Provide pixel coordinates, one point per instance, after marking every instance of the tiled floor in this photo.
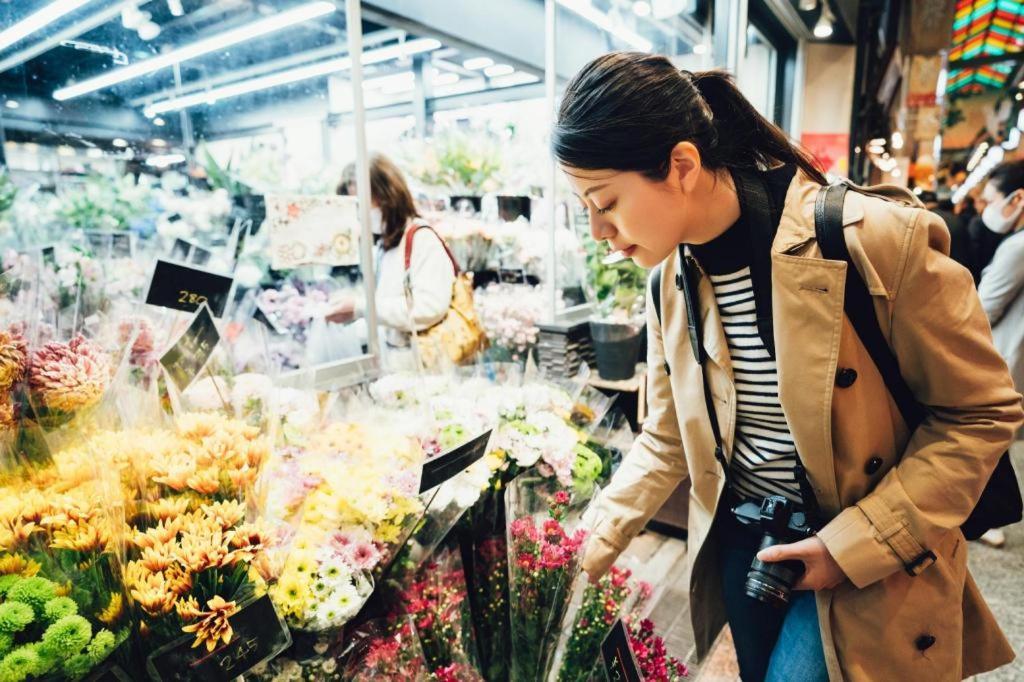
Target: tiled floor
(998, 572)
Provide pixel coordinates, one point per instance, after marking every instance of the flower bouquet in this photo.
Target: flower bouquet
(437, 603)
(385, 649)
(199, 563)
(509, 315)
(544, 560)
(62, 598)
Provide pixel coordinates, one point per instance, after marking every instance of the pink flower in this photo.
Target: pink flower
(561, 497)
(68, 376)
(362, 556)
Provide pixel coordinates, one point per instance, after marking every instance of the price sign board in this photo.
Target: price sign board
(181, 287)
(190, 353)
(619, 661)
(257, 636)
(449, 464)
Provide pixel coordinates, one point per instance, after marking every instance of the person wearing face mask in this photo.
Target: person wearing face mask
(431, 271)
(1001, 288)
(762, 389)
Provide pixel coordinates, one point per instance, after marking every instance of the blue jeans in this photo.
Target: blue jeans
(773, 645)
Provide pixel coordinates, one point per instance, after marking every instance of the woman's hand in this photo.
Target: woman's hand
(343, 311)
(821, 572)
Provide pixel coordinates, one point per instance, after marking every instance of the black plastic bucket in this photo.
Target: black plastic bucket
(617, 347)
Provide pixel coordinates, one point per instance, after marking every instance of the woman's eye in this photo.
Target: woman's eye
(602, 211)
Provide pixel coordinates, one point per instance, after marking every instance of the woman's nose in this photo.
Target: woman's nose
(600, 229)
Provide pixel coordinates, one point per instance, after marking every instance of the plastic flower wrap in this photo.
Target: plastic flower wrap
(198, 559)
(438, 604)
(385, 650)
(544, 559)
(62, 598)
(651, 654)
(582, 633)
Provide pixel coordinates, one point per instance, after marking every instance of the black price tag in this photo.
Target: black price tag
(271, 320)
(190, 353)
(181, 287)
(619, 662)
(257, 636)
(453, 462)
(512, 275)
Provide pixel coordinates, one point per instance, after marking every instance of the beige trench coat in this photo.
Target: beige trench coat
(882, 623)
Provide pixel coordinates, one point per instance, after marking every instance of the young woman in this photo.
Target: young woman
(431, 271)
(664, 159)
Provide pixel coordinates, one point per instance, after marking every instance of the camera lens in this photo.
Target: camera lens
(771, 583)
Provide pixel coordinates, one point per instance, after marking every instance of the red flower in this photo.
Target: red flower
(561, 497)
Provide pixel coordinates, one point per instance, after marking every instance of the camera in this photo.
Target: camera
(781, 524)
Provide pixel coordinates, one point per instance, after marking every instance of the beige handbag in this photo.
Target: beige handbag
(459, 335)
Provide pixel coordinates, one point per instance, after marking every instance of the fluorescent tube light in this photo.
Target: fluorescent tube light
(270, 24)
(295, 75)
(499, 70)
(38, 20)
(477, 63)
(602, 21)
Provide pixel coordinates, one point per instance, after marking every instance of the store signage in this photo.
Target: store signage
(619, 662)
(257, 635)
(189, 252)
(449, 464)
(190, 353)
(307, 230)
(181, 287)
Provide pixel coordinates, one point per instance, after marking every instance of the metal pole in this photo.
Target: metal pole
(354, 29)
(550, 83)
(187, 139)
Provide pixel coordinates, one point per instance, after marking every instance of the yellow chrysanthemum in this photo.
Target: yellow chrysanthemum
(113, 611)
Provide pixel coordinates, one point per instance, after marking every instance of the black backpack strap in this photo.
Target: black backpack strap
(656, 290)
(858, 304)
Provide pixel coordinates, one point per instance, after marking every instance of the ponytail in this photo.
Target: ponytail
(627, 110)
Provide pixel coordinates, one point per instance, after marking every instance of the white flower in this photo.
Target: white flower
(207, 394)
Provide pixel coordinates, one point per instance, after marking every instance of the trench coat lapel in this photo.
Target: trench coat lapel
(807, 298)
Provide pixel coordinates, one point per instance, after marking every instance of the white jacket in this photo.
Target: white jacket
(1002, 296)
(432, 276)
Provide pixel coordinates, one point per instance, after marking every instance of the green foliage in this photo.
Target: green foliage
(7, 581)
(222, 177)
(33, 591)
(15, 617)
(617, 287)
(458, 162)
(8, 191)
(59, 607)
(104, 203)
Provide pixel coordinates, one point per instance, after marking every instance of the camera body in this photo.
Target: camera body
(781, 524)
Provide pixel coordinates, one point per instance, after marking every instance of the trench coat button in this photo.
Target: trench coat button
(845, 377)
(872, 466)
(924, 642)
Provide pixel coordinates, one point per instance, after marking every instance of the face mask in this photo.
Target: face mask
(994, 218)
(376, 221)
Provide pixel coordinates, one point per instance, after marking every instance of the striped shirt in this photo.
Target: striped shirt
(764, 454)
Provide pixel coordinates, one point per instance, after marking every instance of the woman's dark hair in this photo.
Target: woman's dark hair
(627, 110)
(1007, 177)
(389, 191)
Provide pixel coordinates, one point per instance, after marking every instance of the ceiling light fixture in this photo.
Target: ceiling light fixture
(823, 29)
(595, 16)
(164, 160)
(149, 30)
(175, 8)
(477, 63)
(273, 23)
(119, 142)
(447, 78)
(12, 104)
(642, 8)
(157, 142)
(499, 70)
(159, 122)
(700, 48)
(317, 70)
(38, 20)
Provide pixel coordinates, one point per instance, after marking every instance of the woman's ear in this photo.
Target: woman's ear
(685, 165)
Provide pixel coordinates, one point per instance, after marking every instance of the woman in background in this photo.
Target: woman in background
(431, 272)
